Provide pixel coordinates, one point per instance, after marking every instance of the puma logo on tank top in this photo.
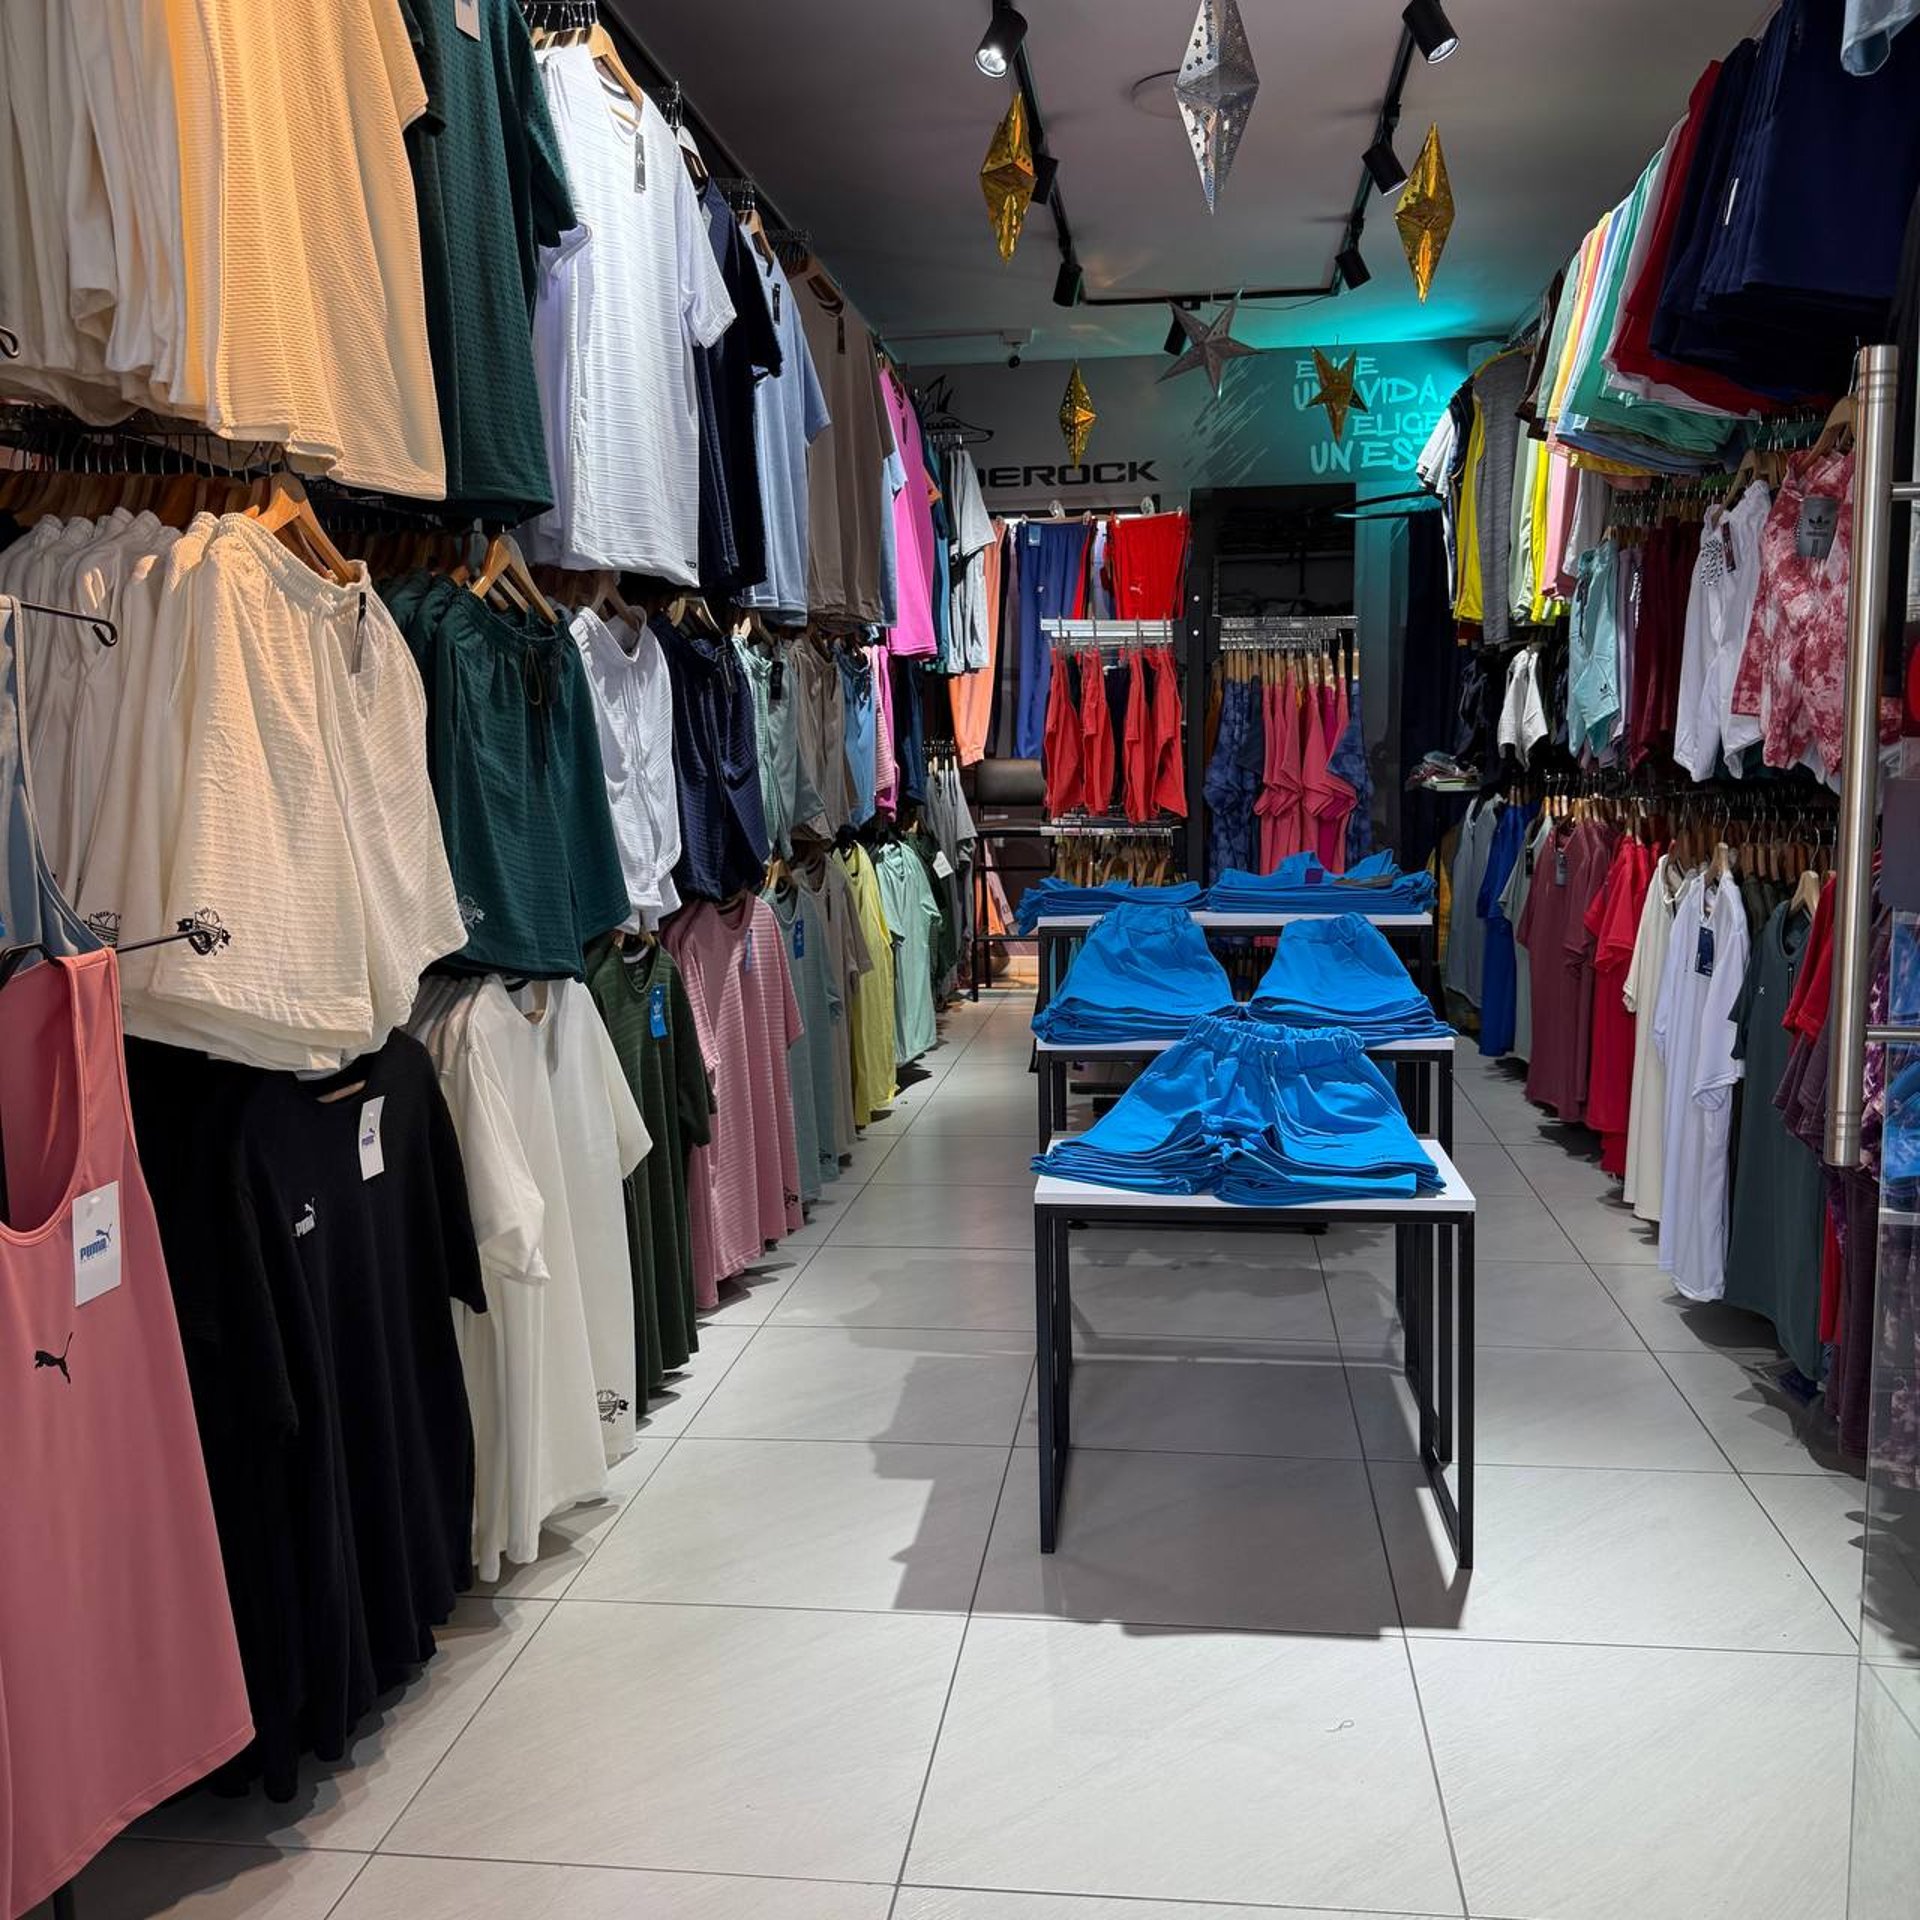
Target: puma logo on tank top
(42, 1358)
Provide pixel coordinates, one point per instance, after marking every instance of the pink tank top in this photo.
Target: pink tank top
(120, 1679)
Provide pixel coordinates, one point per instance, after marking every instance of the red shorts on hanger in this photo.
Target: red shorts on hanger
(1138, 762)
(1096, 735)
(1060, 748)
(1149, 557)
(1169, 728)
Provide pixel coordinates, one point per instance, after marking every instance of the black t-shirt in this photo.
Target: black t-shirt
(313, 1276)
(729, 453)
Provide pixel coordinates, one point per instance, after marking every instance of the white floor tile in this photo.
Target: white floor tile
(414, 1889)
(1000, 1112)
(1273, 1770)
(1760, 1428)
(1487, 1167)
(959, 1159)
(950, 1217)
(569, 1541)
(950, 1903)
(805, 1523)
(830, 1383)
(1671, 1323)
(1517, 1303)
(1823, 1517)
(178, 1880)
(1689, 1560)
(748, 1299)
(702, 1739)
(1886, 1860)
(1605, 1233)
(1245, 1287)
(1545, 1408)
(1195, 1540)
(980, 1292)
(1565, 1170)
(1588, 1783)
(354, 1804)
(1283, 1400)
(687, 1391)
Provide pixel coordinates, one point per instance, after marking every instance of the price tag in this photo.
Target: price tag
(746, 961)
(942, 866)
(466, 16)
(96, 1243)
(1560, 868)
(799, 938)
(639, 159)
(373, 1161)
(1703, 954)
(657, 1010)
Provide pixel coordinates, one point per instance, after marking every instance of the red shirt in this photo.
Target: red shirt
(1614, 922)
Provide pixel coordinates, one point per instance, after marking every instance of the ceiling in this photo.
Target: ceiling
(865, 121)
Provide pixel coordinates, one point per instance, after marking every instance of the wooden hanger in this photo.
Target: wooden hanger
(505, 566)
(288, 514)
(606, 56)
(607, 601)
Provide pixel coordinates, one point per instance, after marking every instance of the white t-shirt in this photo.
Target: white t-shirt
(1523, 718)
(602, 1139)
(972, 536)
(1694, 1032)
(1647, 1115)
(1726, 577)
(642, 293)
(633, 702)
(527, 1359)
(305, 312)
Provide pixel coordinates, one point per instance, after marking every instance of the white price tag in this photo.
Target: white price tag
(372, 1161)
(942, 866)
(466, 16)
(96, 1243)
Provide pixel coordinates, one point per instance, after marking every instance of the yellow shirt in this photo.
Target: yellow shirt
(1471, 600)
(872, 1024)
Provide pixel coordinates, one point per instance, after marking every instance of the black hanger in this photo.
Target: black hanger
(104, 629)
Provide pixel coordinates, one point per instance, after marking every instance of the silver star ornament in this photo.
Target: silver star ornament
(1215, 89)
(1209, 345)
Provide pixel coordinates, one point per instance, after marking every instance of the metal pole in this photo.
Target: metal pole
(1875, 388)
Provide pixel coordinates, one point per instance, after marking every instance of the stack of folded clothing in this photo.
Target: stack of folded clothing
(1142, 973)
(1048, 897)
(1262, 1116)
(1342, 972)
(1303, 885)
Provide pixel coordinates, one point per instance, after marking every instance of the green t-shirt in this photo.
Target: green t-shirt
(912, 913)
(491, 186)
(813, 1058)
(644, 1003)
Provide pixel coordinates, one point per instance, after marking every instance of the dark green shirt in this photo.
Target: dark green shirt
(1773, 1253)
(491, 186)
(645, 1006)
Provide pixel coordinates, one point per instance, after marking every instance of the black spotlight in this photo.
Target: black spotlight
(1069, 284)
(1384, 165)
(1046, 170)
(1353, 269)
(1427, 21)
(1002, 40)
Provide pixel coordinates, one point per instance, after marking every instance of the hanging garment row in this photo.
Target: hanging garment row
(1286, 756)
(1116, 730)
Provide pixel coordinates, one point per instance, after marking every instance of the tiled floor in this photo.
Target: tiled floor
(809, 1664)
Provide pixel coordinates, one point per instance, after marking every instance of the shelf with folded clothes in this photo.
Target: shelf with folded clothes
(1427, 1202)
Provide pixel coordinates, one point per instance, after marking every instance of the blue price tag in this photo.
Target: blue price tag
(657, 1011)
(1703, 954)
(799, 939)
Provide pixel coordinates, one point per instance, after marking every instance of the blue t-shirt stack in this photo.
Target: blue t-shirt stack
(1303, 885)
(1049, 897)
(1261, 1116)
(1342, 972)
(1142, 973)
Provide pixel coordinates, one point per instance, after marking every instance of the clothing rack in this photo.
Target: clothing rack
(1109, 633)
(1121, 829)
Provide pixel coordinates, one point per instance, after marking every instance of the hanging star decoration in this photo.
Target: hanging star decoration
(1215, 88)
(1006, 177)
(1425, 213)
(1077, 416)
(1209, 345)
(1336, 391)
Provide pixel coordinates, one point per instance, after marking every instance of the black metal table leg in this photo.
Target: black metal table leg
(1444, 1070)
(1444, 1345)
(1063, 1338)
(1046, 1382)
(1044, 1063)
(1463, 1542)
